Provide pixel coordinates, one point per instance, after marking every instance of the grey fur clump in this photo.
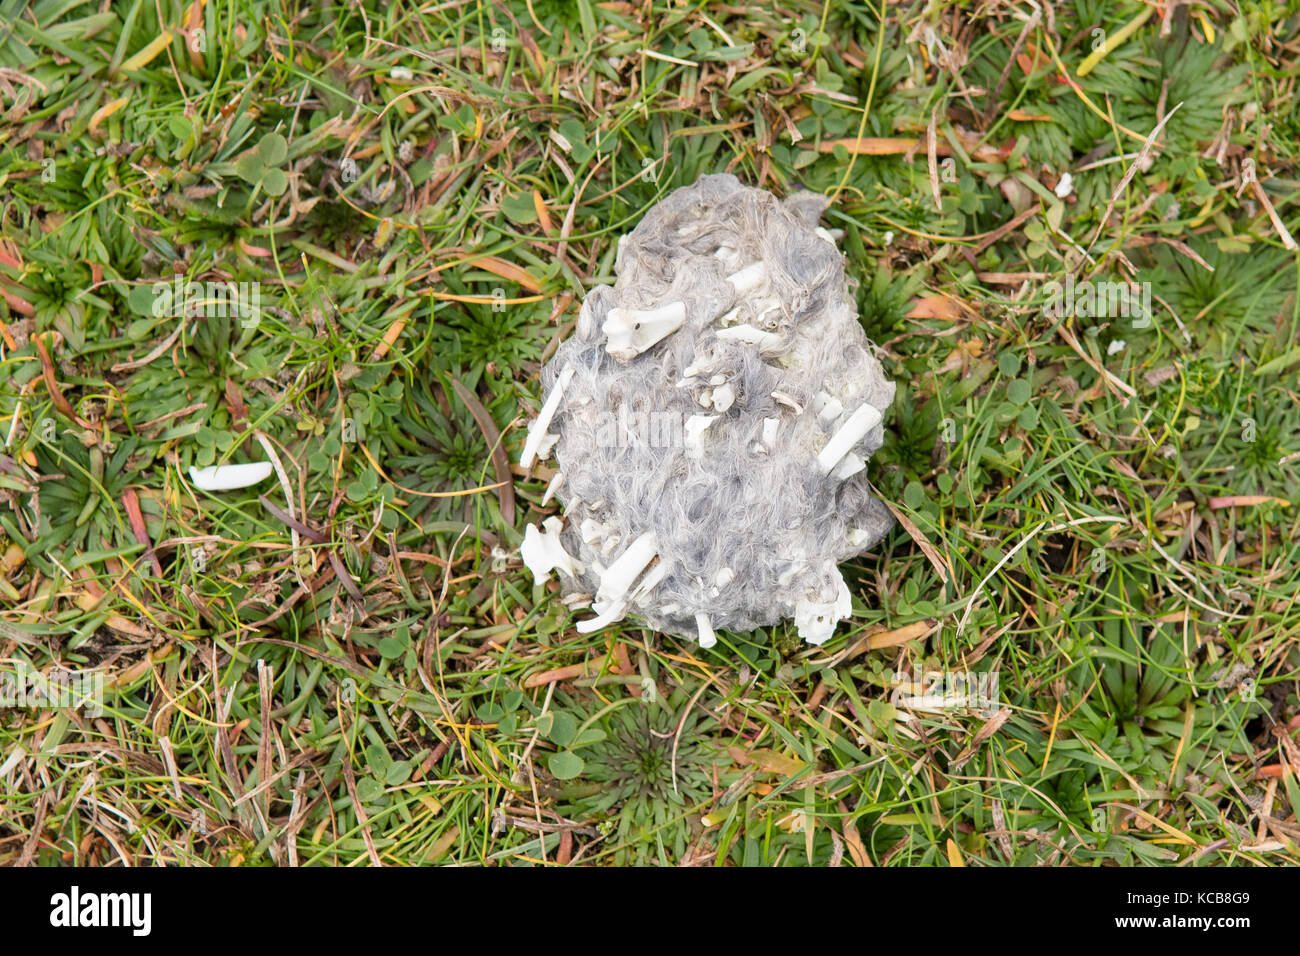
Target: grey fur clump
(711, 416)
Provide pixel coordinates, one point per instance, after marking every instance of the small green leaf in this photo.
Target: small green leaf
(563, 728)
(519, 209)
(273, 149)
(592, 735)
(275, 182)
(369, 789)
(565, 765)
(914, 495)
(1019, 391)
(249, 168)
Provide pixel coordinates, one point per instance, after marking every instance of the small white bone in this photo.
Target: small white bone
(828, 407)
(542, 551)
(605, 616)
(770, 425)
(705, 627)
(632, 331)
(592, 531)
(618, 577)
(849, 466)
(749, 278)
(545, 446)
(784, 398)
(863, 419)
(816, 621)
(858, 537)
(724, 396)
(537, 430)
(694, 432)
(230, 477)
(651, 579)
(552, 487)
(748, 335)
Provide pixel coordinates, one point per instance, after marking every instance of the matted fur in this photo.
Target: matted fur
(748, 528)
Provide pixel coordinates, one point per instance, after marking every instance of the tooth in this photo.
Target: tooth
(816, 621)
(542, 551)
(724, 396)
(865, 418)
(552, 487)
(748, 335)
(749, 278)
(694, 431)
(618, 577)
(537, 430)
(632, 331)
(707, 638)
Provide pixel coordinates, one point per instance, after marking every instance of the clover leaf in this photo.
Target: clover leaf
(260, 166)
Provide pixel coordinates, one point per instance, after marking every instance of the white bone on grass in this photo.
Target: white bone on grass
(230, 477)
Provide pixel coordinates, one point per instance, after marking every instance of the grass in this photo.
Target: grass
(347, 664)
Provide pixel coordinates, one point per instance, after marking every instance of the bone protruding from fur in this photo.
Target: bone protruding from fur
(631, 331)
(552, 486)
(705, 630)
(749, 278)
(816, 620)
(543, 553)
(766, 341)
(615, 591)
(693, 434)
(537, 430)
(724, 396)
(828, 407)
(657, 572)
(609, 615)
(617, 580)
(854, 429)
